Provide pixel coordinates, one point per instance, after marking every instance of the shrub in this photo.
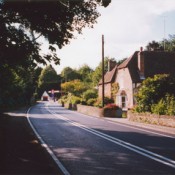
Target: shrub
(152, 90)
(159, 108)
(107, 100)
(166, 106)
(91, 101)
(75, 100)
(89, 94)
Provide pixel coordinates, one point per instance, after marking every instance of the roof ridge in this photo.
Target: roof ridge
(126, 62)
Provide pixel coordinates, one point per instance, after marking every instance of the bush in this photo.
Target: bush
(75, 100)
(159, 108)
(91, 101)
(89, 94)
(107, 100)
(152, 90)
(166, 106)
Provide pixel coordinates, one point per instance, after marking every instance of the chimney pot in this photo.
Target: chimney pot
(141, 49)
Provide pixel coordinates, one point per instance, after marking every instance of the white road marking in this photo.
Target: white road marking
(43, 144)
(153, 132)
(139, 150)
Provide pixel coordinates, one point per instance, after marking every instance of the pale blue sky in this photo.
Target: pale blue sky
(127, 25)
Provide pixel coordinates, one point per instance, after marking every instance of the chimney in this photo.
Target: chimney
(111, 64)
(141, 65)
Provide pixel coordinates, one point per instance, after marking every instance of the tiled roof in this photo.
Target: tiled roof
(126, 62)
(155, 62)
(109, 76)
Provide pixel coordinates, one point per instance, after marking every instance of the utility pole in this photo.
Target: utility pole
(103, 88)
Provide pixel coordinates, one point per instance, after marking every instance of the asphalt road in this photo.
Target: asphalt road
(92, 146)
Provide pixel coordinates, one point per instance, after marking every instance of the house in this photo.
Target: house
(45, 96)
(109, 79)
(141, 65)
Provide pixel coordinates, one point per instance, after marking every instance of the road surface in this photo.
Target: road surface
(87, 145)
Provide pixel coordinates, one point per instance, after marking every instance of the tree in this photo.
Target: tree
(154, 89)
(153, 46)
(75, 87)
(23, 22)
(169, 43)
(69, 74)
(85, 73)
(97, 74)
(48, 80)
(17, 85)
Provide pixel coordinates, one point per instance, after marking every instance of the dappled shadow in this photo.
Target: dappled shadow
(20, 151)
(83, 152)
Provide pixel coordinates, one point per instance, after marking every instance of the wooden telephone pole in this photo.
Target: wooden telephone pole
(103, 88)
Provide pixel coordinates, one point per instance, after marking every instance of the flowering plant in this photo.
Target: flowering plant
(111, 106)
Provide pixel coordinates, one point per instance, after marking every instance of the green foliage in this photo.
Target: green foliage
(153, 90)
(75, 87)
(97, 74)
(169, 43)
(114, 90)
(19, 87)
(23, 22)
(153, 46)
(75, 100)
(90, 93)
(166, 106)
(107, 100)
(85, 73)
(91, 101)
(48, 80)
(69, 74)
(159, 108)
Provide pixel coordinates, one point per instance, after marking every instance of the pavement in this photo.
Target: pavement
(164, 129)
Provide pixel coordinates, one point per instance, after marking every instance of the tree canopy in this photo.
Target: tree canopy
(48, 80)
(23, 22)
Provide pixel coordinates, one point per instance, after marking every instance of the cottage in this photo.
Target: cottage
(141, 65)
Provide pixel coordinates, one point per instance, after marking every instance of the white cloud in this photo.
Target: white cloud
(126, 24)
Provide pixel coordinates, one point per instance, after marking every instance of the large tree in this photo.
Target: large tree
(48, 80)
(22, 22)
(85, 73)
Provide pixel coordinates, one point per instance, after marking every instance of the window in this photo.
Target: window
(123, 99)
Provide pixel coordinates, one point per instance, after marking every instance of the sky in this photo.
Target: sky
(126, 25)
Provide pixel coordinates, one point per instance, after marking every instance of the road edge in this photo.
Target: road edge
(46, 147)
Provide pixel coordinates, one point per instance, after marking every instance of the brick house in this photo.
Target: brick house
(141, 65)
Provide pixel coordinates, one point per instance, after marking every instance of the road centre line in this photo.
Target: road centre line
(139, 150)
(129, 126)
(44, 145)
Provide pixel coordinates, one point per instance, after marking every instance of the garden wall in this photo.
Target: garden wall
(98, 112)
(90, 110)
(162, 120)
